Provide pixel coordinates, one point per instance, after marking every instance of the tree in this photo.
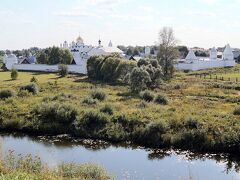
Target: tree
(129, 52)
(66, 56)
(42, 58)
(168, 52)
(139, 78)
(54, 56)
(109, 68)
(136, 52)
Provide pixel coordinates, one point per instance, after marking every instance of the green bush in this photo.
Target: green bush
(124, 68)
(91, 123)
(89, 101)
(139, 78)
(31, 88)
(161, 99)
(236, 111)
(14, 74)
(6, 93)
(55, 113)
(98, 94)
(142, 62)
(63, 70)
(192, 123)
(147, 96)
(107, 109)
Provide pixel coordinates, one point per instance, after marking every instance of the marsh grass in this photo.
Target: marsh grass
(32, 168)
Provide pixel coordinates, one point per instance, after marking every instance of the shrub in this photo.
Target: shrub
(161, 99)
(84, 171)
(63, 70)
(14, 74)
(92, 122)
(55, 113)
(98, 94)
(147, 96)
(192, 123)
(152, 134)
(142, 62)
(236, 111)
(31, 88)
(89, 101)
(7, 93)
(124, 68)
(34, 80)
(23, 93)
(139, 79)
(108, 109)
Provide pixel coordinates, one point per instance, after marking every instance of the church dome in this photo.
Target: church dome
(79, 39)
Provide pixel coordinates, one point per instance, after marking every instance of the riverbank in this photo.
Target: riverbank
(199, 115)
(31, 167)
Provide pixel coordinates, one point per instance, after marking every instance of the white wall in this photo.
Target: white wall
(80, 69)
(198, 65)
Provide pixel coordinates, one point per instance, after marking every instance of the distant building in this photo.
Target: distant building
(192, 62)
(79, 50)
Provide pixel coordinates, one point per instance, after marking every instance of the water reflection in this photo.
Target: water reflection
(125, 158)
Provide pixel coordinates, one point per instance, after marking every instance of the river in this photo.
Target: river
(125, 161)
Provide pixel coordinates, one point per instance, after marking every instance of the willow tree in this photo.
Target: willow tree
(168, 51)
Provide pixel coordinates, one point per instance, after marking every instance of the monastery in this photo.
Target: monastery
(191, 62)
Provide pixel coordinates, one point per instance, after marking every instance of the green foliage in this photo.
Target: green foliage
(31, 88)
(55, 113)
(147, 96)
(168, 51)
(98, 94)
(6, 93)
(89, 101)
(109, 67)
(139, 78)
(92, 123)
(124, 67)
(161, 99)
(142, 62)
(237, 111)
(107, 109)
(14, 74)
(42, 58)
(29, 167)
(63, 70)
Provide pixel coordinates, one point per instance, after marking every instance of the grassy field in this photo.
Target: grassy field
(198, 110)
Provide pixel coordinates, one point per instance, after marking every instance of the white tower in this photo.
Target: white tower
(147, 50)
(228, 54)
(110, 44)
(213, 53)
(191, 56)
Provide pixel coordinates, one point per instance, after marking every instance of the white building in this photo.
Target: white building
(191, 62)
(81, 53)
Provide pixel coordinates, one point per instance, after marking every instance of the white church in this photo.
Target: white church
(81, 53)
(191, 62)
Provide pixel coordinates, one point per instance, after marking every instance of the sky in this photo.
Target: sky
(44, 23)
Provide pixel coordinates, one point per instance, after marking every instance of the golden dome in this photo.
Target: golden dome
(79, 39)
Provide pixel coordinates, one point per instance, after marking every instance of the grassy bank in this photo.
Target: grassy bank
(27, 167)
(199, 114)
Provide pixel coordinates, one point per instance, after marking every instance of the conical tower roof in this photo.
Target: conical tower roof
(191, 55)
